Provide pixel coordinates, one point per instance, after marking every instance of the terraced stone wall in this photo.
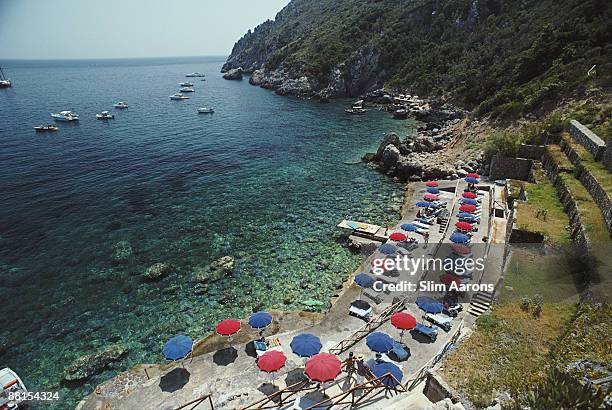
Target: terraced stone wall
(588, 139)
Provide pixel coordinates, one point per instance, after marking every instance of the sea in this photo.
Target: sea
(85, 211)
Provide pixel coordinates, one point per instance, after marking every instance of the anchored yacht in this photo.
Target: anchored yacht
(105, 115)
(178, 96)
(121, 104)
(65, 116)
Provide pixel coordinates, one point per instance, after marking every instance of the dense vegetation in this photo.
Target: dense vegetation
(498, 56)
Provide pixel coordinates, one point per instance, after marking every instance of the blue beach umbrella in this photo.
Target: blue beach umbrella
(470, 201)
(177, 348)
(429, 305)
(379, 342)
(423, 204)
(409, 227)
(433, 190)
(260, 320)
(467, 216)
(457, 237)
(364, 280)
(381, 369)
(471, 180)
(306, 345)
(387, 249)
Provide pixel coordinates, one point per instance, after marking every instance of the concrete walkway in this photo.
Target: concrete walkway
(239, 382)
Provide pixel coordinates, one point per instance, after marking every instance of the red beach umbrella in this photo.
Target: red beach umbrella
(323, 367)
(432, 184)
(403, 321)
(431, 197)
(228, 327)
(473, 175)
(467, 208)
(464, 226)
(398, 236)
(470, 195)
(271, 361)
(447, 279)
(461, 249)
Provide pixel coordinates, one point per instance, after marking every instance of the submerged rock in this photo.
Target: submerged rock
(217, 270)
(158, 271)
(122, 252)
(86, 366)
(233, 74)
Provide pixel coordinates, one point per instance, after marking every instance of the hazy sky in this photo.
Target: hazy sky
(50, 29)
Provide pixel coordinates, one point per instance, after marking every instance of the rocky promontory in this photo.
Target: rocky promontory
(233, 74)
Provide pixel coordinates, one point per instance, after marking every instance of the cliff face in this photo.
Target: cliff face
(497, 55)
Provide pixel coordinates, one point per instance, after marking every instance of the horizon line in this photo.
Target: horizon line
(111, 58)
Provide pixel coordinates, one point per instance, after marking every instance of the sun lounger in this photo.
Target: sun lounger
(360, 313)
(430, 332)
(441, 321)
(263, 347)
(427, 221)
(420, 225)
(400, 351)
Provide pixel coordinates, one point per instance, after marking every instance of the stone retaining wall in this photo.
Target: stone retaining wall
(437, 389)
(578, 230)
(511, 168)
(602, 198)
(607, 159)
(588, 139)
(534, 152)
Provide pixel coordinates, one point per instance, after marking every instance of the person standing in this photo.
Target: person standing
(362, 370)
(350, 365)
(426, 238)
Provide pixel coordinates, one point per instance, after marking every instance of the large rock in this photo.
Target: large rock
(424, 144)
(390, 156)
(233, 74)
(157, 271)
(217, 270)
(390, 139)
(86, 366)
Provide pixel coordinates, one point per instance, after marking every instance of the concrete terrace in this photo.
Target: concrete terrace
(237, 382)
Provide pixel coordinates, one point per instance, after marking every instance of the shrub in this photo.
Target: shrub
(525, 303)
(559, 391)
(504, 143)
(487, 322)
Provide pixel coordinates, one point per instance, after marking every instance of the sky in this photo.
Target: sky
(61, 29)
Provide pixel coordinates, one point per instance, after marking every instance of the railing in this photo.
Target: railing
(386, 382)
(366, 329)
(197, 402)
(281, 397)
(422, 373)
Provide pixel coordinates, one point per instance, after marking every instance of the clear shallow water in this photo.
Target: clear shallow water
(265, 179)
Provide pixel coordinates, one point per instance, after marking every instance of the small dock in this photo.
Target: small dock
(364, 233)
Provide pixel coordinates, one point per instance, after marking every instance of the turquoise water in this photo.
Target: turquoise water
(265, 179)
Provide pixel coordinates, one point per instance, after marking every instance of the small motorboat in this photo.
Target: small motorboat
(203, 79)
(186, 84)
(121, 104)
(13, 391)
(206, 110)
(105, 115)
(46, 128)
(355, 110)
(187, 90)
(178, 96)
(65, 116)
(196, 74)
(400, 114)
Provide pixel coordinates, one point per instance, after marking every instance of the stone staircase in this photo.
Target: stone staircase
(480, 303)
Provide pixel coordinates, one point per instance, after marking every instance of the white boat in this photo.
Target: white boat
(43, 128)
(178, 96)
(121, 104)
(105, 115)
(4, 82)
(187, 90)
(196, 74)
(186, 84)
(13, 391)
(206, 110)
(65, 116)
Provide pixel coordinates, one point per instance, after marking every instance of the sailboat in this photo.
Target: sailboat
(4, 82)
